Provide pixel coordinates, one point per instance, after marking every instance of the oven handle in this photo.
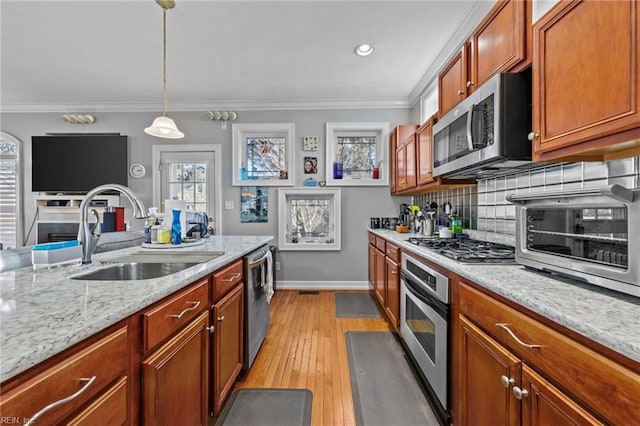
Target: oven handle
(437, 305)
(259, 261)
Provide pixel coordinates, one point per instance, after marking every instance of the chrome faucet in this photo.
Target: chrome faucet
(89, 236)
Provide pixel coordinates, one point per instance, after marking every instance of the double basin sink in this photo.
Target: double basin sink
(144, 265)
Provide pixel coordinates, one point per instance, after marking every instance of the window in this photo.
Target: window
(429, 104)
(9, 191)
(358, 154)
(263, 152)
(188, 181)
(309, 219)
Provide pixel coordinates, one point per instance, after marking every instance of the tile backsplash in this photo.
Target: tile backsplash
(485, 207)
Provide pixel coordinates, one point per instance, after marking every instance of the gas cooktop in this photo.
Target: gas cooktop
(468, 250)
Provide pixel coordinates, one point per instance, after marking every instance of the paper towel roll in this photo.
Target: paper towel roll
(177, 205)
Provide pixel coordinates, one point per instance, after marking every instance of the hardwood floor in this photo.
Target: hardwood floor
(305, 349)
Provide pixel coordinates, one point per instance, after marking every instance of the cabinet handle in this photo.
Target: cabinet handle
(221, 319)
(470, 83)
(393, 272)
(36, 416)
(533, 135)
(460, 92)
(195, 305)
(507, 382)
(211, 329)
(520, 393)
(233, 277)
(520, 342)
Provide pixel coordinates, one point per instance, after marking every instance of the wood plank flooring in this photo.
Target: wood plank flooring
(305, 349)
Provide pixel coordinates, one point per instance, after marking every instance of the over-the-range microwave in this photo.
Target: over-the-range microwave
(487, 133)
(590, 234)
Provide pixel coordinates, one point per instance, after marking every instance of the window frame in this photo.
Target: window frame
(338, 129)
(284, 197)
(19, 214)
(240, 131)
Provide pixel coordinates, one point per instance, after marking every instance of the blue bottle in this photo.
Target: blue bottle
(176, 228)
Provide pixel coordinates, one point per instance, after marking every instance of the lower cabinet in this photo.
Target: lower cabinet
(175, 378)
(228, 320)
(392, 284)
(109, 409)
(379, 277)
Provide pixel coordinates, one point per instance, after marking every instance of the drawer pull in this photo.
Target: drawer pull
(233, 277)
(520, 342)
(195, 305)
(520, 393)
(507, 382)
(39, 414)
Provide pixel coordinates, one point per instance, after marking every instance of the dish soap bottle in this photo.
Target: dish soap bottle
(456, 224)
(176, 228)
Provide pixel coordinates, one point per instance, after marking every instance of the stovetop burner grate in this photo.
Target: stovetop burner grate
(468, 250)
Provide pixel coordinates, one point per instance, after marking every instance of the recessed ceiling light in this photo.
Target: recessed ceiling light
(363, 49)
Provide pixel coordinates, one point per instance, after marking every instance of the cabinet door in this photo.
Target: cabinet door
(484, 365)
(452, 82)
(410, 162)
(372, 265)
(393, 291)
(543, 404)
(228, 318)
(401, 167)
(424, 154)
(500, 41)
(380, 276)
(109, 409)
(175, 378)
(586, 81)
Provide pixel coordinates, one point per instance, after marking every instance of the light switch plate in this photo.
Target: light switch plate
(228, 205)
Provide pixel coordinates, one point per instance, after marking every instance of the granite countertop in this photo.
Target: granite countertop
(609, 318)
(44, 312)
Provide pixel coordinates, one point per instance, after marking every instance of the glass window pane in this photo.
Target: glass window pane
(175, 191)
(357, 155)
(200, 172)
(266, 157)
(310, 220)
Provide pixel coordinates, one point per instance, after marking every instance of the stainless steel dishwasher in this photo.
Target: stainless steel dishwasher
(256, 307)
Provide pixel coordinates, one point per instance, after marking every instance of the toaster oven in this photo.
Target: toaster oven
(590, 234)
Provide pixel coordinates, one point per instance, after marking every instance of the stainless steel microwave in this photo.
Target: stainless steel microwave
(487, 133)
(590, 234)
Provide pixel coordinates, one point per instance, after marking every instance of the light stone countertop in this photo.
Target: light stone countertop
(609, 318)
(44, 312)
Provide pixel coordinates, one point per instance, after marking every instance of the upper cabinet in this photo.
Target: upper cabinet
(502, 42)
(399, 134)
(586, 82)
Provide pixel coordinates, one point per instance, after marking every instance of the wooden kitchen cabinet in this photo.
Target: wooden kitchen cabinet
(228, 319)
(399, 134)
(380, 276)
(586, 81)
(558, 378)
(175, 378)
(406, 164)
(424, 154)
(392, 284)
(452, 81)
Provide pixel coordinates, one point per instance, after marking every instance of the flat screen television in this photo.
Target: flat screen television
(77, 163)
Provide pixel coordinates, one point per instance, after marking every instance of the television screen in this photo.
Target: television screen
(78, 163)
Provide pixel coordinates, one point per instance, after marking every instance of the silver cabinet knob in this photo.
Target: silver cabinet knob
(533, 136)
(520, 393)
(507, 382)
(470, 83)
(221, 319)
(211, 329)
(460, 92)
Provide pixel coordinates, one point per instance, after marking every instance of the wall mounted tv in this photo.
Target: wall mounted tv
(77, 163)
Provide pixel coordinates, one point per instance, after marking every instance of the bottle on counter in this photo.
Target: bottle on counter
(148, 224)
(176, 228)
(164, 233)
(456, 224)
(155, 231)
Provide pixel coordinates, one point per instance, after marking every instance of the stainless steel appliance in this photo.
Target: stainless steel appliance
(256, 307)
(424, 326)
(590, 234)
(468, 250)
(486, 134)
(197, 222)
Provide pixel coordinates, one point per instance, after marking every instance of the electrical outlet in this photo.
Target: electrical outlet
(228, 205)
(277, 266)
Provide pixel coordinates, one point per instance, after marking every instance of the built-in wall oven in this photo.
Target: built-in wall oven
(424, 326)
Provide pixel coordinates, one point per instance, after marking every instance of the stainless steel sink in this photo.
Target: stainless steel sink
(166, 256)
(134, 271)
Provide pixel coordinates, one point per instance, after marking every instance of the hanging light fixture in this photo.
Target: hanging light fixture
(163, 126)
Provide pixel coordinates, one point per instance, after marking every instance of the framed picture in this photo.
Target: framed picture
(310, 165)
(254, 204)
(310, 143)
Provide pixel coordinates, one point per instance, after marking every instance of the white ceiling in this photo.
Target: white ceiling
(56, 55)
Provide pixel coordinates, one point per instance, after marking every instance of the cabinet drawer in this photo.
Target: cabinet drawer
(579, 370)
(160, 322)
(381, 244)
(372, 238)
(393, 252)
(109, 409)
(85, 374)
(226, 279)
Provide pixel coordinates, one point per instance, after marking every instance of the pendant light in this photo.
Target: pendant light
(163, 126)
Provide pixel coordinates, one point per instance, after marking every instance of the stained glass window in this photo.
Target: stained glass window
(266, 157)
(357, 155)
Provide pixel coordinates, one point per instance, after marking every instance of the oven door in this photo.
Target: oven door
(424, 329)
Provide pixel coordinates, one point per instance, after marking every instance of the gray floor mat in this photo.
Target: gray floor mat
(385, 390)
(356, 305)
(267, 407)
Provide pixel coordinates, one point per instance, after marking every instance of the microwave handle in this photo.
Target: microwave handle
(469, 124)
(615, 191)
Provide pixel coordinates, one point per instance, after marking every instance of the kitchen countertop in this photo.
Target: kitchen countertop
(609, 318)
(44, 312)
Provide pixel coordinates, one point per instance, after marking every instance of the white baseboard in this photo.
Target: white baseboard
(323, 285)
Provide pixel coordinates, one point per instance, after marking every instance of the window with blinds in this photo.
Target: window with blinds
(8, 193)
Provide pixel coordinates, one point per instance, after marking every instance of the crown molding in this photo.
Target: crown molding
(302, 104)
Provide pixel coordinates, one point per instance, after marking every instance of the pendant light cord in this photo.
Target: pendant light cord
(164, 59)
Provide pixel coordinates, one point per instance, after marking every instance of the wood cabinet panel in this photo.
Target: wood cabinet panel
(400, 134)
(380, 276)
(228, 319)
(110, 409)
(372, 264)
(392, 298)
(452, 82)
(586, 93)
(104, 361)
(160, 322)
(424, 153)
(226, 279)
(581, 372)
(392, 252)
(175, 378)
